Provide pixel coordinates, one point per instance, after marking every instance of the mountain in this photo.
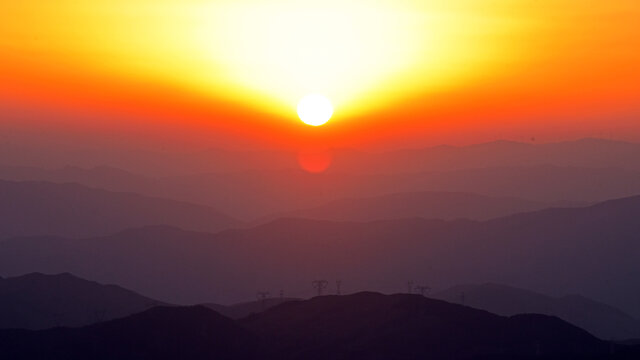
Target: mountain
(589, 153)
(38, 301)
(103, 177)
(159, 333)
(256, 194)
(599, 319)
(255, 187)
(358, 326)
(591, 251)
(153, 161)
(375, 326)
(41, 208)
(430, 205)
(242, 310)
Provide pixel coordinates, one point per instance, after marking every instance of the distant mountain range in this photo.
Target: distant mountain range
(588, 152)
(41, 208)
(599, 319)
(429, 205)
(256, 194)
(359, 326)
(591, 251)
(251, 195)
(257, 186)
(38, 301)
(591, 153)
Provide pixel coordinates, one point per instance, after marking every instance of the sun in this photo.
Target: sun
(315, 109)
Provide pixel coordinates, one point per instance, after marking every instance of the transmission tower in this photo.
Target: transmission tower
(99, 315)
(262, 296)
(338, 286)
(423, 289)
(57, 319)
(320, 285)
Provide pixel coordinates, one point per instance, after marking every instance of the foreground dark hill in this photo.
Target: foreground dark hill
(375, 326)
(37, 301)
(599, 319)
(40, 208)
(171, 333)
(242, 310)
(590, 251)
(360, 326)
(430, 205)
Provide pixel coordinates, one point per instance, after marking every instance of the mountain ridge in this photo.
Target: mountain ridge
(528, 250)
(31, 208)
(602, 320)
(365, 325)
(38, 301)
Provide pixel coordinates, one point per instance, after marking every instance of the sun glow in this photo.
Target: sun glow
(245, 64)
(272, 53)
(287, 49)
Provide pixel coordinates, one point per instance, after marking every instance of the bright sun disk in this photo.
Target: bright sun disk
(315, 109)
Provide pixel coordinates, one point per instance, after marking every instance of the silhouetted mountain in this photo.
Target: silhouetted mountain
(430, 205)
(599, 319)
(590, 251)
(40, 208)
(631, 342)
(360, 326)
(242, 310)
(37, 301)
(375, 326)
(160, 333)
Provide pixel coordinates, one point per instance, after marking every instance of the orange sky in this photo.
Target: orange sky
(400, 73)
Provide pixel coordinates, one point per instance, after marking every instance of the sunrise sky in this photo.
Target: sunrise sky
(398, 73)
